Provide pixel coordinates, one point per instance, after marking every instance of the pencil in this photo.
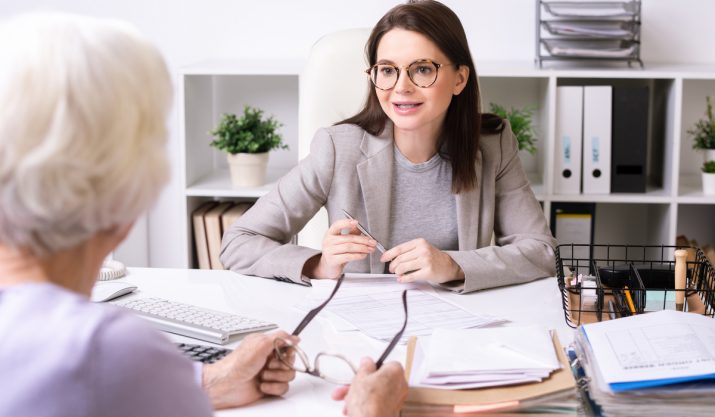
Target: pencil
(629, 300)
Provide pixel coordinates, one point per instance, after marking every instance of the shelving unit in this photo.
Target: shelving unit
(673, 204)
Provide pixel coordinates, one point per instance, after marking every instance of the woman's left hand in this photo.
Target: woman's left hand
(419, 260)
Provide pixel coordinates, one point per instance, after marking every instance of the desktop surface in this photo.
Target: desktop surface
(535, 303)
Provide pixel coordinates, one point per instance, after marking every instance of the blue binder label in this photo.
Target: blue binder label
(566, 143)
(594, 149)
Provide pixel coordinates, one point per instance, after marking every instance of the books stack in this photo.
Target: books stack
(655, 364)
(210, 221)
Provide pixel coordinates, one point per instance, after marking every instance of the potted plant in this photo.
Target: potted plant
(709, 177)
(247, 140)
(520, 121)
(703, 133)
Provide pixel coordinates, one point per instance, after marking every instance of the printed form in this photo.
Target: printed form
(661, 345)
(372, 303)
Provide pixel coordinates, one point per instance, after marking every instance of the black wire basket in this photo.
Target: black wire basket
(604, 282)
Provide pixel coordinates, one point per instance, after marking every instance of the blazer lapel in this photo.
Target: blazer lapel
(375, 175)
(468, 212)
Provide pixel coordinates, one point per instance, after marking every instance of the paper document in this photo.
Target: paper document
(653, 349)
(476, 358)
(373, 304)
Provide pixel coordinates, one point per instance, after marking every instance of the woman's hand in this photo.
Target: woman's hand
(419, 260)
(249, 373)
(338, 250)
(374, 393)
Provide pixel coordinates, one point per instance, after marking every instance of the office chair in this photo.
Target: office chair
(333, 87)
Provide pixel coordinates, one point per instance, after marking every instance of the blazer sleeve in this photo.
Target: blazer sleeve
(258, 243)
(524, 249)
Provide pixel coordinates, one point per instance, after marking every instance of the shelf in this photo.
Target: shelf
(218, 184)
(651, 196)
(244, 67)
(691, 191)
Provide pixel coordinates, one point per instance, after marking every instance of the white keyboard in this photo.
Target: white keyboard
(192, 321)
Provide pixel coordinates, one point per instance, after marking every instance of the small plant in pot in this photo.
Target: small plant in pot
(709, 177)
(521, 125)
(247, 140)
(703, 133)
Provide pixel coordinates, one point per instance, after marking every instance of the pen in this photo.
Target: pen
(611, 310)
(629, 300)
(365, 232)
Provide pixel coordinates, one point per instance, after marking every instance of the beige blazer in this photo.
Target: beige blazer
(350, 169)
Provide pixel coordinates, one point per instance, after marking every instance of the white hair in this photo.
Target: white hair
(82, 129)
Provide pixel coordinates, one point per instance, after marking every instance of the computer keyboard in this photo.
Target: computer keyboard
(192, 321)
(202, 353)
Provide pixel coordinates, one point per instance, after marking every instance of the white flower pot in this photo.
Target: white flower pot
(708, 183)
(248, 169)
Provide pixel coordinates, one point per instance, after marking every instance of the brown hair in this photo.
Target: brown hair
(459, 138)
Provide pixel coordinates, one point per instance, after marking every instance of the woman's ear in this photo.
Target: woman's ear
(462, 78)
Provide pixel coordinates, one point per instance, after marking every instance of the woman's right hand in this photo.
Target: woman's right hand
(338, 250)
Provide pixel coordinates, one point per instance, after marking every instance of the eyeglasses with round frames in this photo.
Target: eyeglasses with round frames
(422, 73)
(332, 367)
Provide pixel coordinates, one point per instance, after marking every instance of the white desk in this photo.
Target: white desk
(537, 302)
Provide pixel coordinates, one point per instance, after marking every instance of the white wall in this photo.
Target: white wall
(190, 31)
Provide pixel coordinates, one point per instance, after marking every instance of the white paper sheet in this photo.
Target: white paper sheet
(373, 304)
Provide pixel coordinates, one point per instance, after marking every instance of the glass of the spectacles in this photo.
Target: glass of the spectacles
(332, 367)
(422, 73)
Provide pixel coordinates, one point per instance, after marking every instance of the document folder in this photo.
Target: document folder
(560, 382)
(569, 123)
(597, 139)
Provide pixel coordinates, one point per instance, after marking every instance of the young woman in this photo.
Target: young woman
(424, 171)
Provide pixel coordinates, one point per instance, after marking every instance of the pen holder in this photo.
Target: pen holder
(647, 271)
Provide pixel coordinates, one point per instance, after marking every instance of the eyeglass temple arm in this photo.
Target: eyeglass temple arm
(397, 337)
(314, 312)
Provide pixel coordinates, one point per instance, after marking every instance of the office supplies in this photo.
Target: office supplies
(365, 232)
(647, 271)
(109, 290)
(611, 310)
(680, 271)
(202, 353)
(233, 214)
(574, 223)
(214, 233)
(593, 30)
(200, 242)
(192, 321)
(569, 118)
(629, 300)
(657, 364)
(630, 139)
(559, 385)
(597, 139)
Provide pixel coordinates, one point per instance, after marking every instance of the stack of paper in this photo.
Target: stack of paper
(477, 358)
(655, 364)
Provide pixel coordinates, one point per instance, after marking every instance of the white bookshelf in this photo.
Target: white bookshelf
(673, 204)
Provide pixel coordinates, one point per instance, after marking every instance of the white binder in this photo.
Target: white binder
(597, 105)
(569, 119)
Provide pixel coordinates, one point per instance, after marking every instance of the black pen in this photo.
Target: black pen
(365, 232)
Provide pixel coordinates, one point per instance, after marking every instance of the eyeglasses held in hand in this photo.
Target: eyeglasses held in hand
(422, 73)
(332, 367)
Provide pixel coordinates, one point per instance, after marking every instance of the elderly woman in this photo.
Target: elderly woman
(82, 137)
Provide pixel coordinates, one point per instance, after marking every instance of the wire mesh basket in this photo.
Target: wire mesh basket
(604, 282)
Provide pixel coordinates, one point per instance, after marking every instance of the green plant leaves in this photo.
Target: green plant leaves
(520, 120)
(703, 132)
(709, 167)
(250, 133)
